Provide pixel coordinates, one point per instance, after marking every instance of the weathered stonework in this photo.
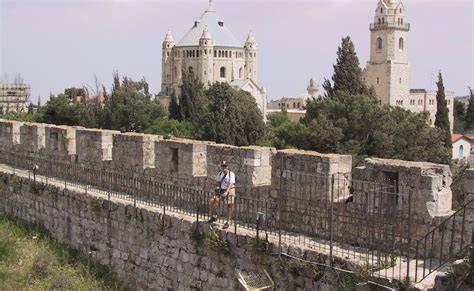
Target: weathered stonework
(152, 251)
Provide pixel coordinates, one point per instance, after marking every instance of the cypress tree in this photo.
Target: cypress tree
(442, 117)
(174, 109)
(347, 72)
(469, 121)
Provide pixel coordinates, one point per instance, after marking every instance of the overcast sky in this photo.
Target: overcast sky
(60, 44)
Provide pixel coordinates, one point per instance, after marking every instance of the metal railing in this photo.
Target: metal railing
(440, 245)
(364, 221)
(376, 26)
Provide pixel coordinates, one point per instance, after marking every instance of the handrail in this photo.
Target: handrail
(375, 26)
(441, 228)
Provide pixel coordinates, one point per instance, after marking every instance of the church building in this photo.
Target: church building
(213, 54)
(388, 70)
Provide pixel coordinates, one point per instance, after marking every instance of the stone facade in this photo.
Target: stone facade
(213, 54)
(150, 250)
(304, 192)
(388, 70)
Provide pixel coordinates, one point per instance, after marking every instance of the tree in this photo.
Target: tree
(174, 109)
(347, 72)
(191, 99)
(459, 116)
(60, 110)
(129, 107)
(442, 115)
(171, 127)
(231, 116)
(469, 120)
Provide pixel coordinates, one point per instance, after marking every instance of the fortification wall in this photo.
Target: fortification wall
(305, 191)
(152, 251)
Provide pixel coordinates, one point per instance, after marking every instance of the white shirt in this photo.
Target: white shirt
(224, 182)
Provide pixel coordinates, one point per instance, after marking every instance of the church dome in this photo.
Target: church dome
(221, 35)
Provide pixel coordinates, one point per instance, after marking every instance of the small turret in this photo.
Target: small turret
(166, 64)
(251, 43)
(206, 38)
(313, 88)
(251, 57)
(205, 67)
(169, 41)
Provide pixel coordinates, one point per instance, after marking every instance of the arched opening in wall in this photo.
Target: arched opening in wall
(401, 44)
(377, 81)
(241, 71)
(190, 69)
(226, 54)
(380, 21)
(222, 72)
(461, 151)
(383, 20)
(381, 10)
(379, 43)
(175, 72)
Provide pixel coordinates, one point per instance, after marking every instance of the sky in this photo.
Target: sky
(60, 44)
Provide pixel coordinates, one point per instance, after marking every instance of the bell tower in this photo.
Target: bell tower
(388, 70)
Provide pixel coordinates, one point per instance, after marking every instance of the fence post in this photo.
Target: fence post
(330, 221)
(409, 233)
(280, 198)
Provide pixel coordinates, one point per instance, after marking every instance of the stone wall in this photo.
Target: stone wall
(152, 251)
(304, 191)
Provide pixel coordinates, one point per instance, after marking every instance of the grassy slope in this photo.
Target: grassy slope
(31, 260)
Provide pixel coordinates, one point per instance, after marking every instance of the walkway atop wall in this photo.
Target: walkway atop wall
(291, 244)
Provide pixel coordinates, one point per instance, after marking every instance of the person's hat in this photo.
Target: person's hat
(224, 164)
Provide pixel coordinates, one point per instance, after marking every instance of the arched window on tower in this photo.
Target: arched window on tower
(401, 44)
(241, 73)
(222, 72)
(381, 10)
(190, 69)
(379, 43)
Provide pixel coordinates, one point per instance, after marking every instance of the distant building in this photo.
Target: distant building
(13, 97)
(388, 70)
(461, 147)
(295, 106)
(210, 50)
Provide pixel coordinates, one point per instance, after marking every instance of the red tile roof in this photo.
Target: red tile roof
(456, 136)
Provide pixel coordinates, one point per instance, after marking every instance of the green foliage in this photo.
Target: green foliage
(216, 242)
(174, 109)
(191, 99)
(93, 205)
(52, 190)
(60, 110)
(31, 260)
(347, 72)
(457, 186)
(357, 125)
(296, 268)
(459, 116)
(442, 113)
(469, 119)
(129, 107)
(172, 127)
(16, 182)
(231, 117)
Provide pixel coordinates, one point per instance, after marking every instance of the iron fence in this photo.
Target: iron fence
(365, 221)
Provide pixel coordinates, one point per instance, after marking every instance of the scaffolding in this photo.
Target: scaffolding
(13, 97)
